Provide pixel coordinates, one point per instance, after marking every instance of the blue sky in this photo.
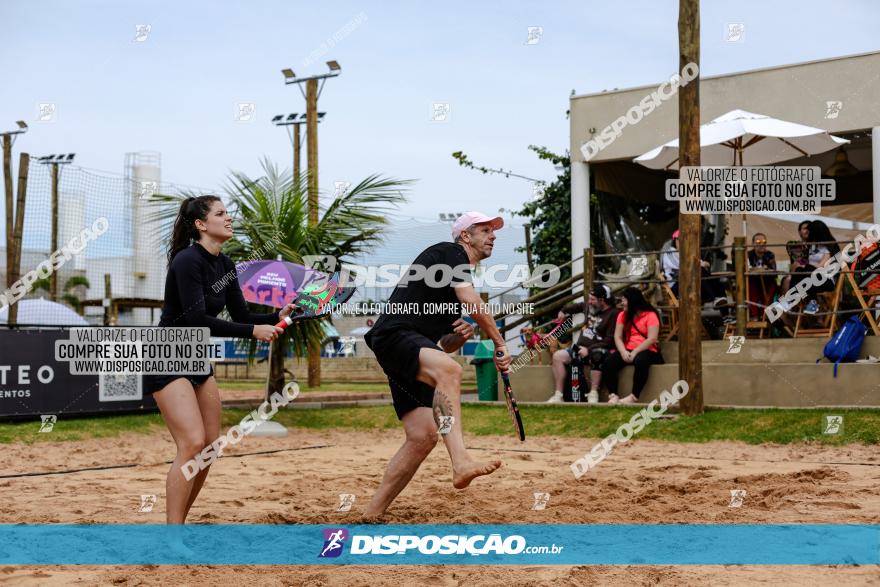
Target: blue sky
(176, 92)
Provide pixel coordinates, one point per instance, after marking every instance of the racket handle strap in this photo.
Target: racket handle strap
(285, 322)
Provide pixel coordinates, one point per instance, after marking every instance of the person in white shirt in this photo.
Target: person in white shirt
(822, 248)
(710, 288)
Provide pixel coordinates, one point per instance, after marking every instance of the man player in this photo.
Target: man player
(412, 349)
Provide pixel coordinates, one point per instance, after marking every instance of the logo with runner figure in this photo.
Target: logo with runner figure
(334, 539)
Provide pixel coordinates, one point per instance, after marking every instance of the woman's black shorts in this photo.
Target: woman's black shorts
(153, 383)
(398, 354)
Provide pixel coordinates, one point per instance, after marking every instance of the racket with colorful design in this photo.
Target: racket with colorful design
(317, 299)
(512, 409)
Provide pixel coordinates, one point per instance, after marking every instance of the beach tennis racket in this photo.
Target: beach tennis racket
(317, 299)
(511, 404)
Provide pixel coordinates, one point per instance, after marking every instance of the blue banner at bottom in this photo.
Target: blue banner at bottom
(532, 544)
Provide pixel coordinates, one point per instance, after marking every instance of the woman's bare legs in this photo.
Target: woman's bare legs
(180, 408)
(208, 396)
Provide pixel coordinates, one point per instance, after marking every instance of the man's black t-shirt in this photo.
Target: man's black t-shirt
(413, 304)
(599, 331)
(199, 284)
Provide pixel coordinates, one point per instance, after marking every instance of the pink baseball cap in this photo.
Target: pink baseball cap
(468, 219)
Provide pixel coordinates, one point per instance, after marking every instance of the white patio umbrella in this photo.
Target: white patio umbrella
(42, 312)
(744, 138)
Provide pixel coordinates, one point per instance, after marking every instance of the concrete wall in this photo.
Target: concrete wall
(781, 373)
(791, 92)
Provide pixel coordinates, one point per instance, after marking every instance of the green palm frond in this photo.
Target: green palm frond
(270, 218)
(76, 281)
(72, 301)
(43, 283)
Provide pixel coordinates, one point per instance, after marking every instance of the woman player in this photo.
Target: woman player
(195, 292)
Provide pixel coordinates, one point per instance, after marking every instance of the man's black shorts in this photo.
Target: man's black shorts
(398, 355)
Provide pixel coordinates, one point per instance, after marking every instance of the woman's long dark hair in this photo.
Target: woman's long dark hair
(185, 231)
(635, 305)
(819, 233)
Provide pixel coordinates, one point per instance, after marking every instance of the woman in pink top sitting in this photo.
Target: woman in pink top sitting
(635, 336)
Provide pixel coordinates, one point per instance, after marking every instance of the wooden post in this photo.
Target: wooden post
(108, 299)
(14, 271)
(296, 152)
(528, 229)
(690, 359)
(7, 181)
(314, 361)
(739, 267)
(53, 278)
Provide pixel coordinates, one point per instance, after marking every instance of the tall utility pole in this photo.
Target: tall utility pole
(8, 140)
(311, 94)
(690, 347)
(312, 150)
(293, 123)
(14, 270)
(55, 161)
(7, 180)
(296, 152)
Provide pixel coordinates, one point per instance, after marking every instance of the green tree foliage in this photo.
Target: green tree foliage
(271, 218)
(549, 211)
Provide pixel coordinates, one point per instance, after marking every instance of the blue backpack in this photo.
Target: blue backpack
(846, 344)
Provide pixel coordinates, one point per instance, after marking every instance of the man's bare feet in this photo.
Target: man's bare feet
(462, 477)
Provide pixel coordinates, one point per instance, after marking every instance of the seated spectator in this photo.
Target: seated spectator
(798, 251)
(762, 288)
(820, 250)
(635, 339)
(710, 288)
(592, 346)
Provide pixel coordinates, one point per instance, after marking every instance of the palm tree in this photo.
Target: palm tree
(275, 205)
(69, 297)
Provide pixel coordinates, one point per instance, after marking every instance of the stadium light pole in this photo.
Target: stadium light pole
(293, 122)
(8, 140)
(55, 161)
(311, 94)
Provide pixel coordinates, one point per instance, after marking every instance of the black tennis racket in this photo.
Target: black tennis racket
(511, 404)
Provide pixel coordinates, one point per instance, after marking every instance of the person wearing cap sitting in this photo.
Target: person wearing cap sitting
(710, 288)
(412, 348)
(592, 346)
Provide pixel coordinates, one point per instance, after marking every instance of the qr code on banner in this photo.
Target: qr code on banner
(120, 387)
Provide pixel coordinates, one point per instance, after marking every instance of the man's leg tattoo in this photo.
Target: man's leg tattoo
(443, 412)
